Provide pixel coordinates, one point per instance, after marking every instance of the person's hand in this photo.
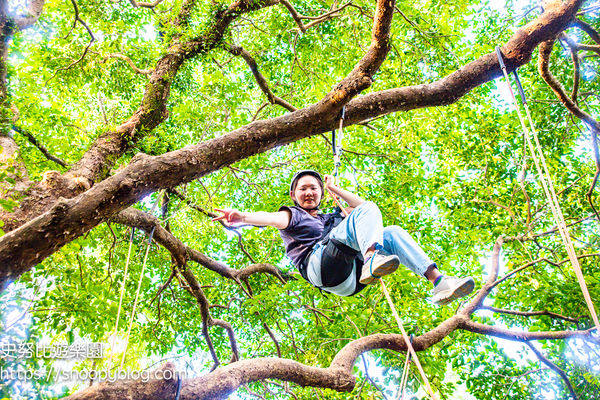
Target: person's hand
(329, 181)
(230, 216)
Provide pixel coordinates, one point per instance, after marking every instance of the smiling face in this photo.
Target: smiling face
(307, 193)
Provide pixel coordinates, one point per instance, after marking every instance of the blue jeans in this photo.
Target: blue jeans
(360, 230)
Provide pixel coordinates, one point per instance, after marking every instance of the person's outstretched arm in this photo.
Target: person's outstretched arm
(352, 199)
(279, 219)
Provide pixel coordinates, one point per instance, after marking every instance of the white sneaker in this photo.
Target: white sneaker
(377, 266)
(451, 288)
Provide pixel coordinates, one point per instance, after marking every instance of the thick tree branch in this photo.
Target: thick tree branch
(182, 253)
(101, 156)
(220, 383)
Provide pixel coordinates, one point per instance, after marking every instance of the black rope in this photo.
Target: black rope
(516, 75)
(178, 387)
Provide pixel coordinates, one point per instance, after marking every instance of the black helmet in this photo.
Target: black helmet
(302, 173)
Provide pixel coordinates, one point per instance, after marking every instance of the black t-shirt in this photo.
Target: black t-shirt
(304, 231)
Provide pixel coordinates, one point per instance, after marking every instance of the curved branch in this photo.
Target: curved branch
(87, 48)
(129, 62)
(504, 333)
(220, 383)
(41, 148)
(557, 88)
(575, 58)
(587, 28)
(555, 368)
(182, 253)
(485, 290)
(260, 79)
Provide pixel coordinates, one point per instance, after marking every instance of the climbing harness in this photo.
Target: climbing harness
(544, 176)
(337, 148)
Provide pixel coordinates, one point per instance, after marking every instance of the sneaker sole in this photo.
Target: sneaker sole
(381, 270)
(448, 296)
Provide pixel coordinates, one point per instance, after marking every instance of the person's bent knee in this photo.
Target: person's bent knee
(368, 206)
(393, 230)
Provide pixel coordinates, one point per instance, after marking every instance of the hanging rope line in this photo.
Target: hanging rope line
(546, 180)
(137, 294)
(112, 348)
(409, 345)
(404, 379)
(337, 149)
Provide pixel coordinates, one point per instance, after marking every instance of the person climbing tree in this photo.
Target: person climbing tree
(329, 250)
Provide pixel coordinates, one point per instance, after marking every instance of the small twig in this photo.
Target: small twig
(102, 108)
(85, 51)
(590, 191)
(260, 79)
(41, 148)
(164, 286)
(530, 313)
(144, 4)
(529, 264)
(129, 61)
(554, 367)
(275, 341)
(314, 20)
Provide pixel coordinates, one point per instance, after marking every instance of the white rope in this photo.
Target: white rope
(137, 295)
(404, 379)
(546, 181)
(112, 348)
(413, 353)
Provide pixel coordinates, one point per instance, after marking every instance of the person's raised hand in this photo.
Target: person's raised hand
(329, 181)
(230, 216)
